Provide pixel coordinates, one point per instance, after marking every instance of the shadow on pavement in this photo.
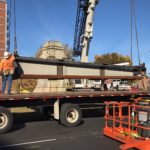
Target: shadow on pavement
(20, 119)
(4, 145)
(17, 126)
(36, 116)
(28, 117)
(93, 113)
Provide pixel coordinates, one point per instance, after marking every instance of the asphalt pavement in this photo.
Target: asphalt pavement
(32, 131)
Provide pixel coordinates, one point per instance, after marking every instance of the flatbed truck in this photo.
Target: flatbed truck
(65, 106)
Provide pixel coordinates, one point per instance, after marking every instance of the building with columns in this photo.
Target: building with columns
(53, 50)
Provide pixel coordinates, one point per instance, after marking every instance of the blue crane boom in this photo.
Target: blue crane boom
(84, 28)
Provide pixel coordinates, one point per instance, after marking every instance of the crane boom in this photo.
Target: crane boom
(84, 28)
(88, 34)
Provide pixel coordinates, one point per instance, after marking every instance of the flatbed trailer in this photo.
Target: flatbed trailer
(65, 106)
(70, 94)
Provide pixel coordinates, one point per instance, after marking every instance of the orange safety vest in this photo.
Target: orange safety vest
(7, 64)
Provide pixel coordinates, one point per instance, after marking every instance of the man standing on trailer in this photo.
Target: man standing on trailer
(7, 71)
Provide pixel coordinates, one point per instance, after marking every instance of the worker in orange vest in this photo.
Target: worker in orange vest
(7, 70)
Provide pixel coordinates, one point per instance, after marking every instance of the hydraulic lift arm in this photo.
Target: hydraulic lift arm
(84, 28)
(87, 36)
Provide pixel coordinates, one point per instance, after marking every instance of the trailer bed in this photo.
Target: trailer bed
(72, 94)
(63, 106)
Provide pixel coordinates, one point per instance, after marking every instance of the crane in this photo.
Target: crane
(84, 28)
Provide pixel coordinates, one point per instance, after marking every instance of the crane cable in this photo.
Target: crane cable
(133, 13)
(131, 31)
(15, 35)
(9, 26)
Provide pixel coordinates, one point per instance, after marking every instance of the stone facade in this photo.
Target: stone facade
(52, 50)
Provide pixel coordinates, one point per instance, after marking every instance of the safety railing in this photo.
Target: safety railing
(127, 122)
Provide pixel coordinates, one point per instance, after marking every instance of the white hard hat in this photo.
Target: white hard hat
(6, 54)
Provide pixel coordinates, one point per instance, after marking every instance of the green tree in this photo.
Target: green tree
(111, 58)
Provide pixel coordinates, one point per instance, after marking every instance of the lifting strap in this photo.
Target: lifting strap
(131, 31)
(133, 20)
(15, 35)
(9, 25)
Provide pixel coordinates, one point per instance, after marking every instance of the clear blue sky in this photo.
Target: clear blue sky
(42, 20)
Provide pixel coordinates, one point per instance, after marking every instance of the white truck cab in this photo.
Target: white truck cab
(83, 84)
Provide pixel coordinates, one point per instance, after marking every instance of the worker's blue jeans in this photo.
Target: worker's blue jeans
(6, 78)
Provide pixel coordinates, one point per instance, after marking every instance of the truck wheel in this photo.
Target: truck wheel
(6, 120)
(70, 115)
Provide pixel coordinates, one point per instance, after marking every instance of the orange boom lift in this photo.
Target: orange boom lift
(129, 123)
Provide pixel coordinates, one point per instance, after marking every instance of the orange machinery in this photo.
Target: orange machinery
(129, 123)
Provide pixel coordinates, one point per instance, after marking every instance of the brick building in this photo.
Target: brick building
(3, 30)
(3, 25)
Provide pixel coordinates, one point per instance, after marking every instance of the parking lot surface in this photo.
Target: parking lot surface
(32, 131)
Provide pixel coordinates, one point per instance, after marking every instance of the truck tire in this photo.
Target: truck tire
(6, 120)
(70, 115)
